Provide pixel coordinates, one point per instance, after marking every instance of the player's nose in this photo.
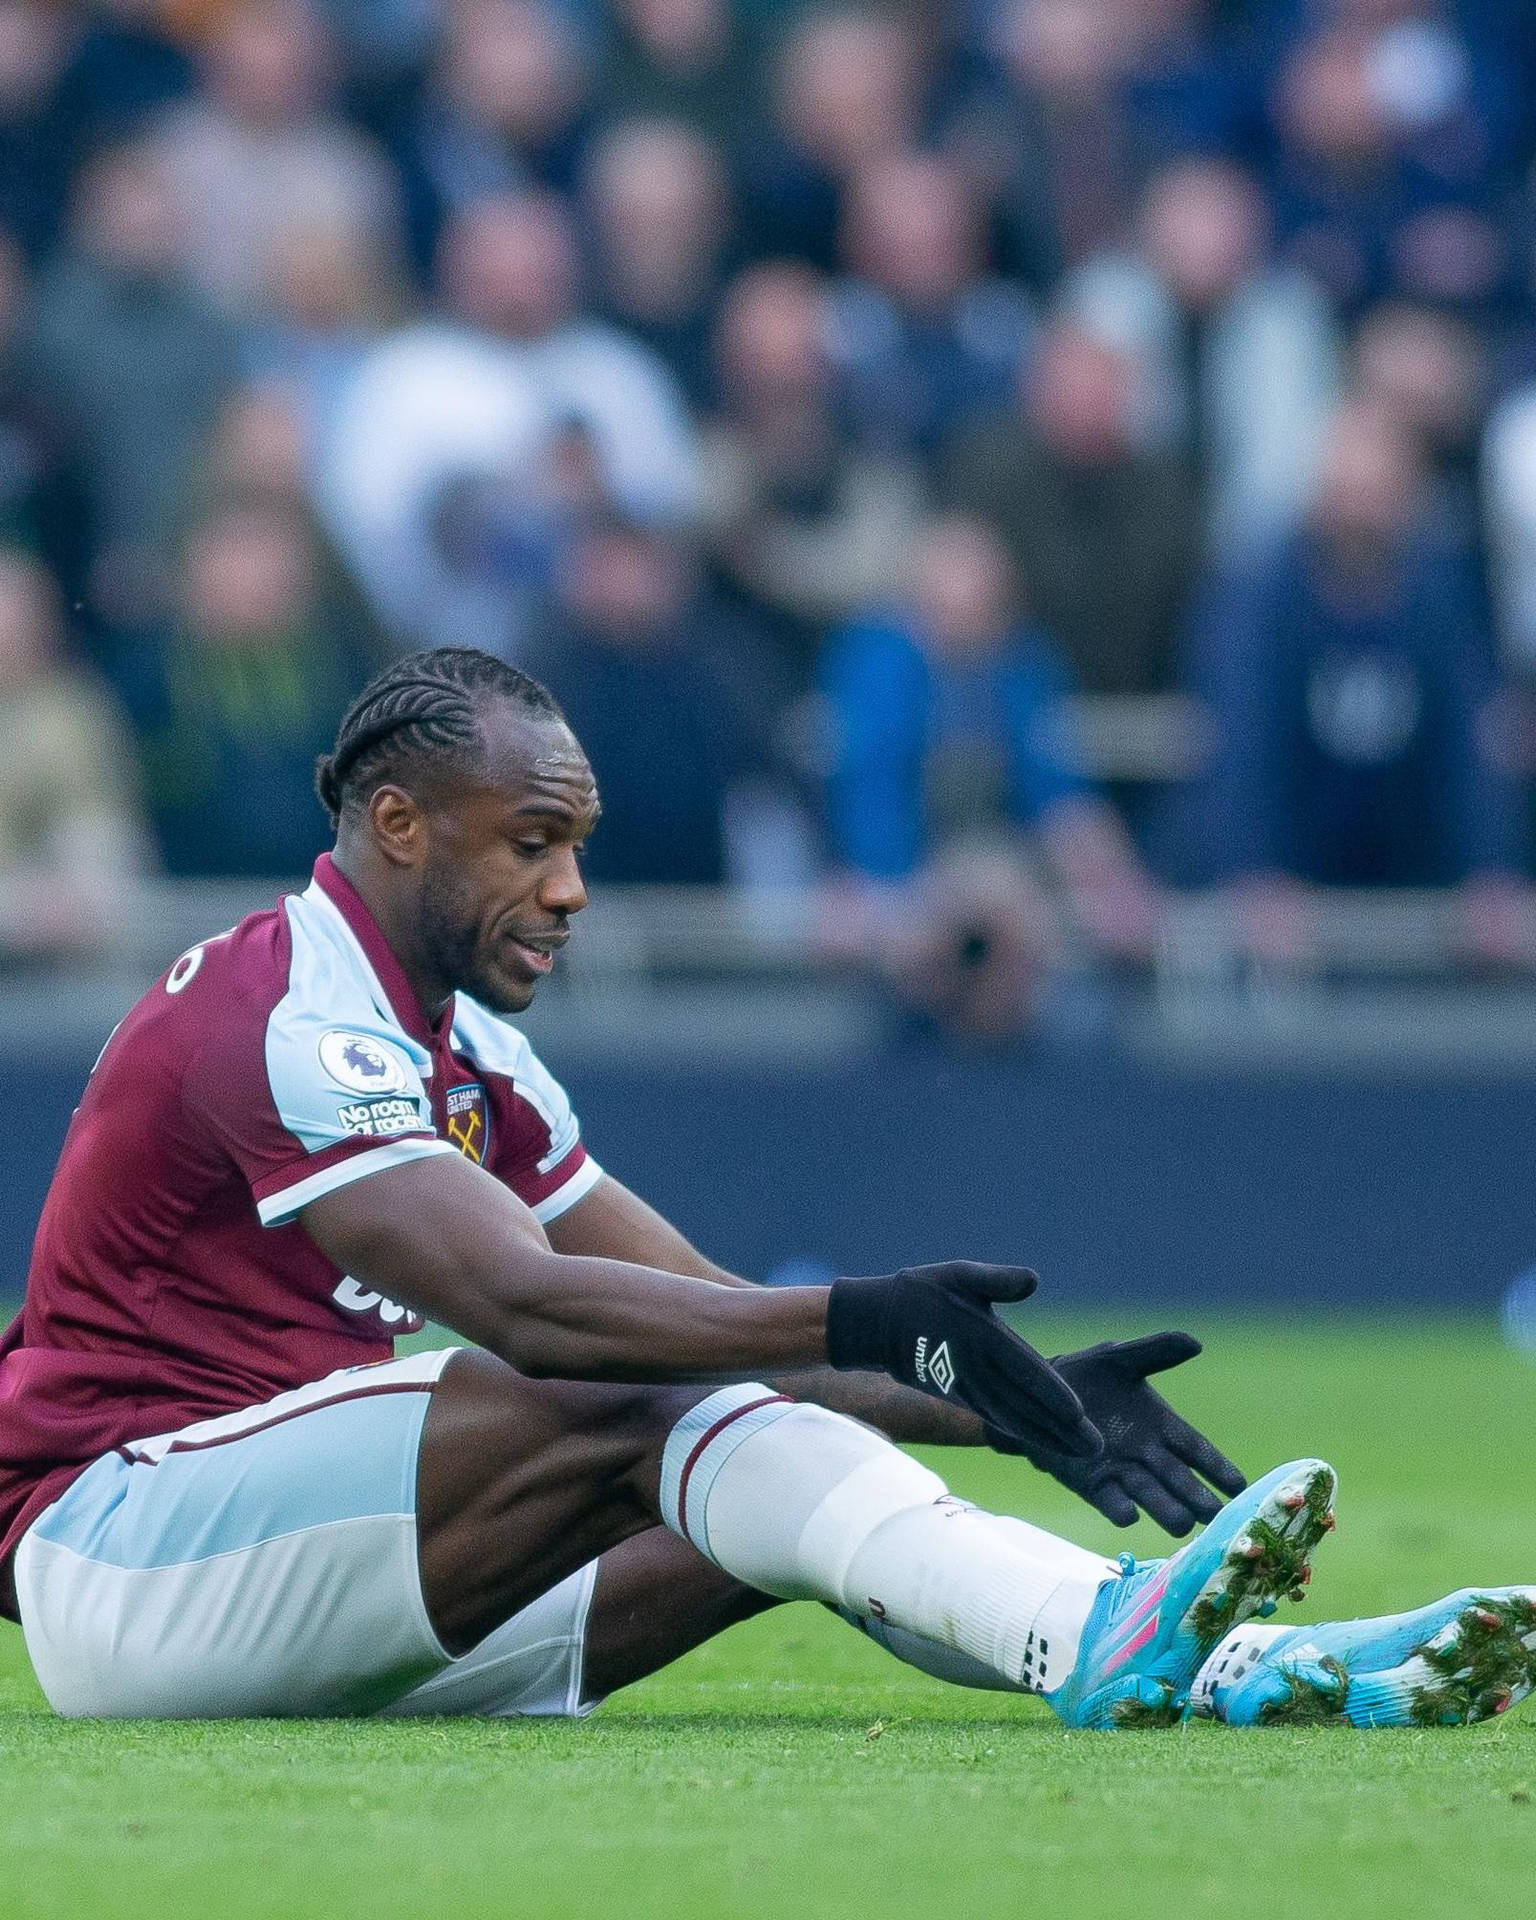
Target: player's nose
(562, 889)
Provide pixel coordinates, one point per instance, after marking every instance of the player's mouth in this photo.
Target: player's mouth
(538, 953)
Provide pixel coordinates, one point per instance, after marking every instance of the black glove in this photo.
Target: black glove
(933, 1328)
(1148, 1450)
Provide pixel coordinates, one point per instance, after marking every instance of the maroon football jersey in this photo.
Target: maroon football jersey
(270, 1065)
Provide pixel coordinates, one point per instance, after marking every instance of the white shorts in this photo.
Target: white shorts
(265, 1563)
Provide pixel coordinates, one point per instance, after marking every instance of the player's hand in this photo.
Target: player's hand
(1151, 1457)
(934, 1328)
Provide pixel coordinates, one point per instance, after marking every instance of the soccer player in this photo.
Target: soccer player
(220, 1494)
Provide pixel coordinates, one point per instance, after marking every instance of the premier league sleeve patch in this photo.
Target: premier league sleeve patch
(373, 1118)
(469, 1121)
(361, 1064)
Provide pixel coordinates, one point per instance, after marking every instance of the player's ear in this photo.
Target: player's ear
(399, 826)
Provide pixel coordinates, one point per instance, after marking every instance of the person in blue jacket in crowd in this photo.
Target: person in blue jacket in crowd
(957, 807)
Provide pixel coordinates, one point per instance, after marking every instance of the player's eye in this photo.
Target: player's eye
(530, 849)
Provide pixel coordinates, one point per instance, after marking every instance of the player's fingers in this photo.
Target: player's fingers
(1175, 1478)
(1023, 1394)
(1000, 1283)
(1155, 1353)
(1155, 1500)
(1114, 1503)
(1208, 1461)
(976, 1279)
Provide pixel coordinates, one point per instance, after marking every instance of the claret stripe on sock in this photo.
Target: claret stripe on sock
(702, 1445)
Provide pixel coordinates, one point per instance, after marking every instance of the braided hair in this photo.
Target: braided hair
(423, 707)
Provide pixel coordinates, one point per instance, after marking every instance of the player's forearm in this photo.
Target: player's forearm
(615, 1223)
(442, 1236)
(592, 1319)
(897, 1411)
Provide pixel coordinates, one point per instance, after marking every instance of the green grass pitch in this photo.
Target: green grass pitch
(790, 1770)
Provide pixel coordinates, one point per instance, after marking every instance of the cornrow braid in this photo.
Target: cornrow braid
(423, 706)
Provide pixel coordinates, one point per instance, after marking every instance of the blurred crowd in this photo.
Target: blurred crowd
(852, 412)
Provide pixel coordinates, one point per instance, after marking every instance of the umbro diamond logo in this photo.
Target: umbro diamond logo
(936, 1366)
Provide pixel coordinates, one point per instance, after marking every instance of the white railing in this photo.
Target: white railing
(703, 930)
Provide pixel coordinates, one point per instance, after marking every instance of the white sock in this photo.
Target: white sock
(802, 1503)
(1226, 1664)
(944, 1663)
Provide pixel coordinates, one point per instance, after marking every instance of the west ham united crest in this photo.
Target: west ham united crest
(469, 1121)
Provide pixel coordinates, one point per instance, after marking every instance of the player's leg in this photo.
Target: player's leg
(644, 1604)
(794, 1501)
(263, 1562)
(327, 1552)
(1468, 1657)
(270, 1561)
(521, 1482)
(524, 1481)
(631, 1636)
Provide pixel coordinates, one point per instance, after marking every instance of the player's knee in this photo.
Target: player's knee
(760, 1483)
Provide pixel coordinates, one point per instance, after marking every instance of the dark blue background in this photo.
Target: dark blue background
(1116, 1180)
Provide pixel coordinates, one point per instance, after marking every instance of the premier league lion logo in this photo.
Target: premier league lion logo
(362, 1064)
(365, 1060)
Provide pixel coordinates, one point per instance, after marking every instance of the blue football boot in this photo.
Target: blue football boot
(1467, 1657)
(1152, 1630)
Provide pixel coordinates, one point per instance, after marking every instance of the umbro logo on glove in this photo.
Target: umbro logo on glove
(937, 1366)
(935, 1328)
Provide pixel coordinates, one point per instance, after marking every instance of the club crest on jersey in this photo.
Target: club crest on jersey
(360, 1064)
(469, 1121)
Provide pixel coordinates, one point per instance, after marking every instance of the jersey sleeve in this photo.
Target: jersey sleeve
(304, 1107)
(551, 1169)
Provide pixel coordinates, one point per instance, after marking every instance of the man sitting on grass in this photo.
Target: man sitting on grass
(220, 1494)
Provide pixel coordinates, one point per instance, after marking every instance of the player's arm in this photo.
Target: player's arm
(612, 1223)
(445, 1238)
(1153, 1460)
(440, 1235)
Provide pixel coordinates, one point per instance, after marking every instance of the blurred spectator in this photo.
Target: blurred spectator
(800, 523)
(128, 365)
(384, 42)
(1429, 371)
(712, 297)
(69, 837)
(1368, 207)
(504, 109)
(666, 695)
(259, 455)
(236, 693)
(32, 503)
(923, 340)
(1239, 359)
(657, 200)
(1080, 100)
(123, 66)
(847, 91)
(447, 473)
(258, 147)
(332, 294)
(1350, 678)
(1438, 75)
(1103, 534)
(36, 147)
(956, 778)
(1509, 500)
(679, 60)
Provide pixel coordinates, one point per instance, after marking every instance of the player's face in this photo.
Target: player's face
(502, 876)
